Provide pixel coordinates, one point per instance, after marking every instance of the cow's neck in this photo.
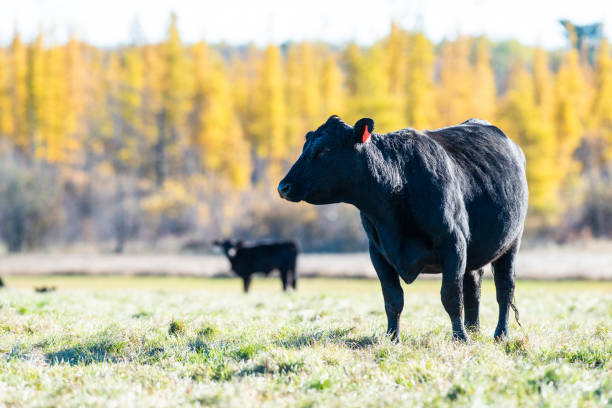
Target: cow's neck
(378, 183)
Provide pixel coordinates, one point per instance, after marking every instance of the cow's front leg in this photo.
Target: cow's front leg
(453, 256)
(392, 291)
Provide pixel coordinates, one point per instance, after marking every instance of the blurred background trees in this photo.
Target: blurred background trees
(146, 143)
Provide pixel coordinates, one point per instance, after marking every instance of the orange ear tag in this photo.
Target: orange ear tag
(366, 134)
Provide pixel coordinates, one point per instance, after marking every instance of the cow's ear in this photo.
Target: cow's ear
(363, 129)
(239, 244)
(334, 119)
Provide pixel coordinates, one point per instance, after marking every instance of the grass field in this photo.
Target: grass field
(121, 341)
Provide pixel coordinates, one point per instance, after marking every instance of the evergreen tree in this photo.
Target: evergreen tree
(269, 127)
(543, 85)
(217, 131)
(368, 86)
(419, 102)
(521, 120)
(58, 144)
(18, 86)
(303, 92)
(77, 82)
(177, 130)
(36, 98)
(130, 105)
(153, 130)
(243, 74)
(456, 82)
(601, 110)
(395, 48)
(333, 94)
(6, 117)
(569, 108)
(484, 92)
(175, 85)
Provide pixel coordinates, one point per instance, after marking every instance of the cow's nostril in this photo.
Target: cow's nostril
(284, 189)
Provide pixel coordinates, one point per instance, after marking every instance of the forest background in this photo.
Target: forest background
(173, 144)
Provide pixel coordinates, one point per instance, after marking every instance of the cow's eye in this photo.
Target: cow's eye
(321, 152)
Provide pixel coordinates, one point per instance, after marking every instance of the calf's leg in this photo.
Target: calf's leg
(503, 274)
(392, 291)
(284, 276)
(471, 298)
(453, 268)
(246, 283)
(293, 279)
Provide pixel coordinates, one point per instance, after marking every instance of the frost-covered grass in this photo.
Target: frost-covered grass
(121, 341)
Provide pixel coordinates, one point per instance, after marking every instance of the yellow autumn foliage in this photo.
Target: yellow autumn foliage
(161, 115)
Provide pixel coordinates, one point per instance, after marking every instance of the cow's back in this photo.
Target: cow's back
(482, 153)
(491, 171)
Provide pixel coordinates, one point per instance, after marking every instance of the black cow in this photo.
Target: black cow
(264, 258)
(449, 200)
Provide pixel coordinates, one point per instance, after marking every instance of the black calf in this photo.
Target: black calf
(264, 259)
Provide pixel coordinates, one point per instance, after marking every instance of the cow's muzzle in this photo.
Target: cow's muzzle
(284, 191)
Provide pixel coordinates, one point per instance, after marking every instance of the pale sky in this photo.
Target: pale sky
(112, 22)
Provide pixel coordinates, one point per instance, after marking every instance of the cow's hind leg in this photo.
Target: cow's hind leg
(471, 299)
(503, 274)
(453, 270)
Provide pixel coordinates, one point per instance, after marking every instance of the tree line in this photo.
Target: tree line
(149, 141)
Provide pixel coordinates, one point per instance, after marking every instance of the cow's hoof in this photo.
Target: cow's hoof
(461, 337)
(500, 334)
(472, 328)
(393, 337)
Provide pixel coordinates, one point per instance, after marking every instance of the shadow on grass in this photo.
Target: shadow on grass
(95, 351)
(592, 357)
(103, 350)
(282, 368)
(335, 336)
(360, 342)
(301, 340)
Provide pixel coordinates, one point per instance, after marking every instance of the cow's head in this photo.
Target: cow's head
(329, 163)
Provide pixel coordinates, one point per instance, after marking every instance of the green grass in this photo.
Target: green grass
(128, 341)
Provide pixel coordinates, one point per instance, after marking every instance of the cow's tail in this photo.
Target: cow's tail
(515, 309)
(516, 312)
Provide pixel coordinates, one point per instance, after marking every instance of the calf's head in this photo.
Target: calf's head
(229, 248)
(329, 163)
